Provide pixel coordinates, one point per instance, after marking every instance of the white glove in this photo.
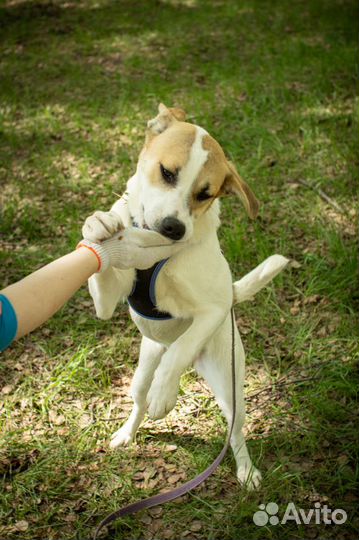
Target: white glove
(132, 248)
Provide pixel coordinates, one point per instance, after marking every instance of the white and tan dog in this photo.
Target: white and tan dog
(182, 171)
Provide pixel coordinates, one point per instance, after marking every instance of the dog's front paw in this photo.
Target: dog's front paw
(101, 225)
(249, 476)
(161, 398)
(122, 437)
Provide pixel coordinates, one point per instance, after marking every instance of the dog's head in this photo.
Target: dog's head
(180, 172)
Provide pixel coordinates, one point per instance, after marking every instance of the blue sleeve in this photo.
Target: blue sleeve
(8, 322)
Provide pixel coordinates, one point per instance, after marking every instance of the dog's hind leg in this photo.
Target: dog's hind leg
(214, 365)
(150, 356)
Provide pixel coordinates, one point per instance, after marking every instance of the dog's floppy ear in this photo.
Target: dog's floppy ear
(165, 118)
(233, 183)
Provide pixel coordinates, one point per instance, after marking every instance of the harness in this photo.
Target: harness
(143, 296)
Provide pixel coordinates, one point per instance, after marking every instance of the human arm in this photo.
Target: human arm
(38, 296)
(31, 301)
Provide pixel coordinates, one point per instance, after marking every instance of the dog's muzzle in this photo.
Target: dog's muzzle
(172, 228)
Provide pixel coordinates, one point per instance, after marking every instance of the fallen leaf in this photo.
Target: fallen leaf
(7, 389)
(18, 366)
(146, 519)
(46, 331)
(170, 448)
(70, 518)
(342, 459)
(322, 332)
(155, 525)
(150, 484)
(156, 511)
(174, 478)
(313, 299)
(85, 421)
(21, 526)
(196, 526)
(56, 419)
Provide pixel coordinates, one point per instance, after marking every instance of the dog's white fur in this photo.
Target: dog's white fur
(195, 285)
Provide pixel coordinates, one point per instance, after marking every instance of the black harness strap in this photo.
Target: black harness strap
(143, 298)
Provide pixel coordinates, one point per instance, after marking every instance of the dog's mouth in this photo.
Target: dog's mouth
(142, 225)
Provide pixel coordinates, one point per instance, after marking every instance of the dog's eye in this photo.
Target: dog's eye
(203, 195)
(168, 176)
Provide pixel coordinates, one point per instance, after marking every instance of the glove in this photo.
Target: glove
(132, 248)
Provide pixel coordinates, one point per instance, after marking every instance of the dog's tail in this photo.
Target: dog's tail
(247, 287)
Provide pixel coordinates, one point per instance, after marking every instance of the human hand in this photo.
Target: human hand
(127, 248)
(141, 248)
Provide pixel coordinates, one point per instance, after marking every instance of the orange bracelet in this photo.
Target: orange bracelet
(80, 244)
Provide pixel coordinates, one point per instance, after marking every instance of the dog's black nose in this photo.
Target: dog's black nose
(172, 228)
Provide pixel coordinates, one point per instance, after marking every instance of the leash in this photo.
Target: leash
(168, 496)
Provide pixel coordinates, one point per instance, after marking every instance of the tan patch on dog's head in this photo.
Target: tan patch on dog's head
(217, 178)
(171, 149)
(169, 141)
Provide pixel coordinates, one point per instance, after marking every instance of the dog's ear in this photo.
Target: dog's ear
(178, 113)
(165, 118)
(233, 183)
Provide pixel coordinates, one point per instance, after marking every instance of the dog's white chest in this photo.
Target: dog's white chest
(164, 332)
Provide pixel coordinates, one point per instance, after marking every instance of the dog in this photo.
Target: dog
(181, 174)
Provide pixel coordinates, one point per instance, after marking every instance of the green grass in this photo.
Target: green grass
(274, 82)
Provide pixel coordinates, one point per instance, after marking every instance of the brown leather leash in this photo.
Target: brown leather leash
(168, 496)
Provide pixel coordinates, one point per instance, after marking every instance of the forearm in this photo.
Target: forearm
(38, 296)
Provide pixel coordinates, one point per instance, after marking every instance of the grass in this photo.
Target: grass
(274, 83)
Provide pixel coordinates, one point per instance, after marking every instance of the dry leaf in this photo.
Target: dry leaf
(155, 525)
(156, 511)
(46, 331)
(21, 526)
(196, 526)
(170, 448)
(7, 389)
(70, 518)
(313, 299)
(146, 519)
(342, 459)
(18, 366)
(56, 419)
(174, 478)
(85, 421)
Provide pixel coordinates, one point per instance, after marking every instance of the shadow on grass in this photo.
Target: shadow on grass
(114, 51)
(70, 70)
